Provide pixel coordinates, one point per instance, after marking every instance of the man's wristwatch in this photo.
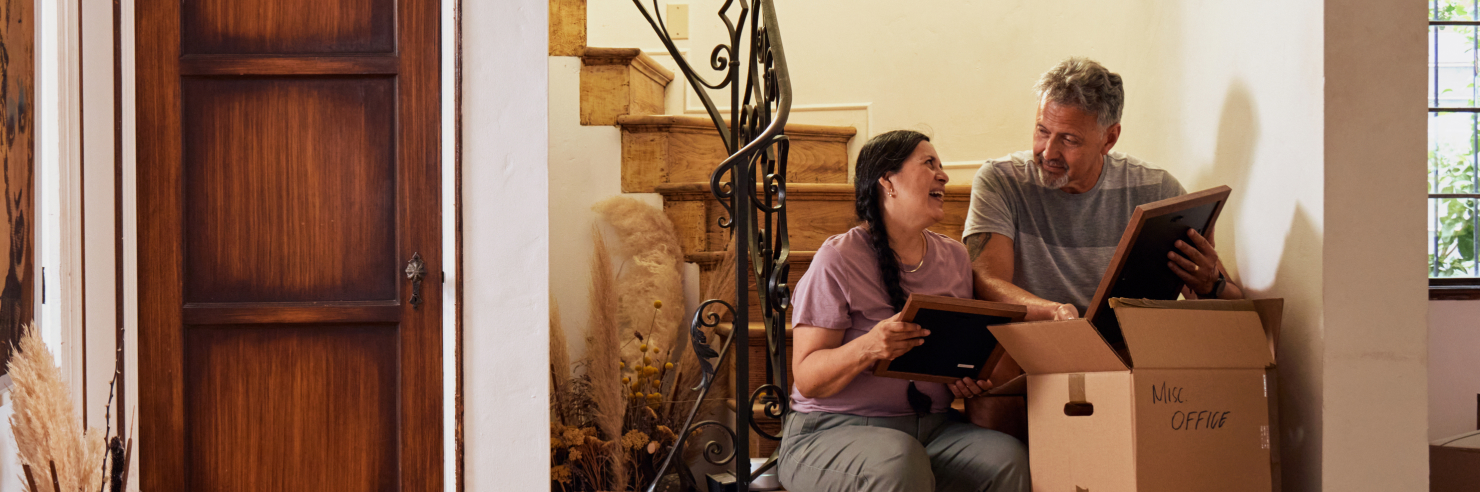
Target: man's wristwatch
(1217, 288)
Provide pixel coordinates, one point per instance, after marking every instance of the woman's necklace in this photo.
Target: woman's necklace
(926, 242)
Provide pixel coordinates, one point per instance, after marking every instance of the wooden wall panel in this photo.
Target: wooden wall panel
(287, 26)
(291, 408)
(291, 183)
(18, 146)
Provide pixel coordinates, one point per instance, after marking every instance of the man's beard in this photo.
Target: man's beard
(1044, 178)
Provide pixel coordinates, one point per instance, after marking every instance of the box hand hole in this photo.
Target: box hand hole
(1079, 409)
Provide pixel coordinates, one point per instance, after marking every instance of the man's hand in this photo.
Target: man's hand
(992, 271)
(892, 338)
(968, 388)
(1198, 263)
(1064, 311)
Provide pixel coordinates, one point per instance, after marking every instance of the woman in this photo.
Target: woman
(850, 430)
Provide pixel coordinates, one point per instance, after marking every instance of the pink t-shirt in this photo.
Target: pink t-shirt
(844, 290)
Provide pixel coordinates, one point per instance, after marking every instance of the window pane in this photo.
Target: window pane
(1452, 159)
(1452, 237)
(1452, 59)
(1451, 10)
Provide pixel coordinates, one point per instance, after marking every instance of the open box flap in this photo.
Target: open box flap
(1055, 347)
(1271, 311)
(1161, 338)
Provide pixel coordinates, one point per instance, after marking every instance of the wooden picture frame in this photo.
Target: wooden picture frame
(956, 326)
(1152, 233)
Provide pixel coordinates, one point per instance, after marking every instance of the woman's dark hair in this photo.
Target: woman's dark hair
(882, 154)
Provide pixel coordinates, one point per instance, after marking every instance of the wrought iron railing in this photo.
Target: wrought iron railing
(751, 185)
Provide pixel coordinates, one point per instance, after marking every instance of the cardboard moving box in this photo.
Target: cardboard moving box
(1454, 463)
(1185, 409)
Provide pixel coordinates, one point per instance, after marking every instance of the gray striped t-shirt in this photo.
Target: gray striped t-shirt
(1062, 242)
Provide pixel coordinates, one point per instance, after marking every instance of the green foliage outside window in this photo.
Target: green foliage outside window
(1452, 142)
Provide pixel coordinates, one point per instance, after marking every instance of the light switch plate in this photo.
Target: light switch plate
(677, 20)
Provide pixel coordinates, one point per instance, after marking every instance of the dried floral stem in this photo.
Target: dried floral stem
(602, 347)
(45, 422)
(648, 243)
(559, 361)
(30, 479)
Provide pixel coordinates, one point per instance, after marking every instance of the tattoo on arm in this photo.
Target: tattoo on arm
(975, 243)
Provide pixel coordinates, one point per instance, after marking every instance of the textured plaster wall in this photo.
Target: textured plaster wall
(585, 168)
(506, 244)
(1375, 375)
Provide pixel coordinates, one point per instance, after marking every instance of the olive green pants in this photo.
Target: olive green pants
(828, 452)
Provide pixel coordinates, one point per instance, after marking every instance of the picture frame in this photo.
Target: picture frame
(959, 344)
(1138, 270)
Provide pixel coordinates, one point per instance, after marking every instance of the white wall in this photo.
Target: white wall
(506, 244)
(1454, 369)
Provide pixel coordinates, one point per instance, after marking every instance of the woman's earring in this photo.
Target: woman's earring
(891, 193)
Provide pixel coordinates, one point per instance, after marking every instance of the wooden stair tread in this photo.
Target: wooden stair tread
(670, 122)
(708, 258)
(803, 191)
(658, 150)
(756, 409)
(757, 329)
(617, 82)
(815, 211)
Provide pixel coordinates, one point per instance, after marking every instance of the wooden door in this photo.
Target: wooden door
(288, 173)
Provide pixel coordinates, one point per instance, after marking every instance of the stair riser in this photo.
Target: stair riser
(655, 154)
(809, 221)
(617, 82)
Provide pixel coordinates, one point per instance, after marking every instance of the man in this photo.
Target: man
(1044, 224)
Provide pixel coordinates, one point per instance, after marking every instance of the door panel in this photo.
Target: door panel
(288, 171)
(323, 396)
(289, 26)
(291, 186)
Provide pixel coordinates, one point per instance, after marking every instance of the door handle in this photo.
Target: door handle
(415, 271)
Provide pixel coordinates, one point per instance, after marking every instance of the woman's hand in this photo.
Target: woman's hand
(892, 338)
(968, 388)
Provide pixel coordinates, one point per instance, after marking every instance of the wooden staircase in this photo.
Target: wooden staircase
(674, 155)
(815, 212)
(658, 150)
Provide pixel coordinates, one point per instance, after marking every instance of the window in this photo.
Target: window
(1454, 149)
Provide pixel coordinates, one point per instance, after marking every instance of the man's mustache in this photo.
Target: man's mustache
(1060, 163)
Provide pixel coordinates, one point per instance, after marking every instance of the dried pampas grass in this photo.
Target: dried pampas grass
(46, 426)
(559, 361)
(604, 350)
(650, 240)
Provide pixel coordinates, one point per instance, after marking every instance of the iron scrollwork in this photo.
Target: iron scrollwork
(751, 186)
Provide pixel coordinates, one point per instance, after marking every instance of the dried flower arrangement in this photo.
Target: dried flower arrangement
(52, 446)
(613, 412)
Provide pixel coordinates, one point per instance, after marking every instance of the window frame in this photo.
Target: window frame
(1453, 288)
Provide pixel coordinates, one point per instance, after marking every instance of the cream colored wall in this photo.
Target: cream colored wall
(1376, 367)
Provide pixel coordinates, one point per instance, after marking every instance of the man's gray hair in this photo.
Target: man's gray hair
(1085, 84)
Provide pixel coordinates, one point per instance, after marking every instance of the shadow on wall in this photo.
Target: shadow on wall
(1233, 159)
(1299, 355)
(1300, 368)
